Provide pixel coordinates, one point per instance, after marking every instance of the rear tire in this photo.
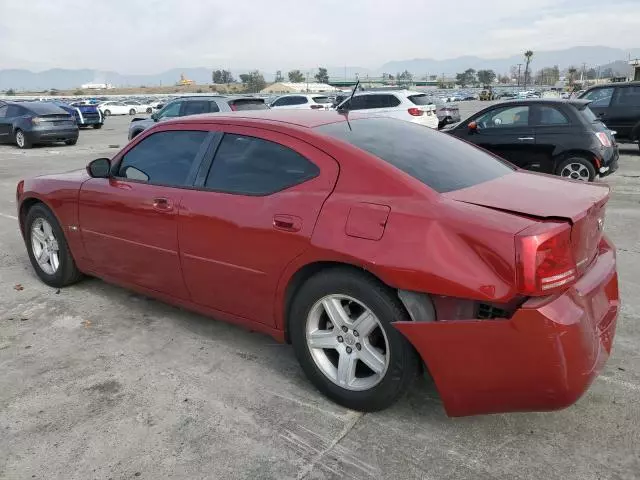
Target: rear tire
(394, 362)
(132, 111)
(21, 139)
(577, 168)
(106, 113)
(149, 110)
(50, 238)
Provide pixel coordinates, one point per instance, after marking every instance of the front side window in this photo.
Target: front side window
(600, 97)
(505, 117)
(253, 166)
(164, 158)
(171, 110)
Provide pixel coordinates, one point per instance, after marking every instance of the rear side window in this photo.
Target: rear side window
(364, 102)
(247, 104)
(600, 97)
(164, 158)
(628, 96)
(322, 100)
(252, 166)
(297, 100)
(438, 160)
(196, 107)
(551, 116)
(420, 99)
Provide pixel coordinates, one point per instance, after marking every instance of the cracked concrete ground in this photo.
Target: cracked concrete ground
(100, 383)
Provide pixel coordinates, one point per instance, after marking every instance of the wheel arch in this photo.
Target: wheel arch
(304, 273)
(575, 152)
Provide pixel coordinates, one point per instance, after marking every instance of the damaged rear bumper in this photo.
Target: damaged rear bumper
(543, 358)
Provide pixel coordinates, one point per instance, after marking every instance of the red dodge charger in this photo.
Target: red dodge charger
(376, 247)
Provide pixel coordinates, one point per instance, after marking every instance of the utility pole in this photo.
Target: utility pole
(584, 67)
(519, 67)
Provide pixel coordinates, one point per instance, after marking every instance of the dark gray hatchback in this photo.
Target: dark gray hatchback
(31, 123)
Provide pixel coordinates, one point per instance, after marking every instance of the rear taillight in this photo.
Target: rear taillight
(604, 139)
(416, 112)
(544, 259)
(316, 107)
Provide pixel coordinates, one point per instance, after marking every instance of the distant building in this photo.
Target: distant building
(96, 86)
(184, 81)
(302, 87)
(636, 69)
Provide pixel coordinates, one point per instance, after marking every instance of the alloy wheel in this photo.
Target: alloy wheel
(347, 342)
(575, 171)
(45, 246)
(20, 138)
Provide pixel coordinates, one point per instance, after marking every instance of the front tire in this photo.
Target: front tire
(48, 250)
(71, 142)
(577, 168)
(97, 126)
(340, 327)
(106, 113)
(21, 139)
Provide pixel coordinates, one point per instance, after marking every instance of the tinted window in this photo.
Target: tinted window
(164, 158)
(3, 111)
(281, 101)
(195, 107)
(248, 104)
(504, 117)
(420, 99)
(297, 100)
(171, 110)
(551, 116)
(322, 100)
(17, 111)
(600, 97)
(628, 96)
(252, 166)
(364, 102)
(43, 108)
(438, 160)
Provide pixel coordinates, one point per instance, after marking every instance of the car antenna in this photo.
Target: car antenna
(346, 112)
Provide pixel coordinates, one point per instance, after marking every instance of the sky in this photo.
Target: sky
(150, 36)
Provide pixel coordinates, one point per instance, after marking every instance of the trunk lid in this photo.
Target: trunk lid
(544, 197)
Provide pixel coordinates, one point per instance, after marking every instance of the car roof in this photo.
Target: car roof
(299, 118)
(579, 103)
(615, 84)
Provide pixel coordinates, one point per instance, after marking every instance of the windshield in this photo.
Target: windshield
(438, 160)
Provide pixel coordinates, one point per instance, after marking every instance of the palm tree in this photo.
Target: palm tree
(527, 55)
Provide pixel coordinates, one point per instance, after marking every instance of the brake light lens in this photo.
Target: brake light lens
(544, 259)
(416, 112)
(604, 139)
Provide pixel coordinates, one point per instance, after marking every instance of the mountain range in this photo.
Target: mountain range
(576, 56)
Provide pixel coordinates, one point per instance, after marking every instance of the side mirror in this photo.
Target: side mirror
(473, 126)
(99, 168)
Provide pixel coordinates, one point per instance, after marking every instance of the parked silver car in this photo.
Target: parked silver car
(184, 106)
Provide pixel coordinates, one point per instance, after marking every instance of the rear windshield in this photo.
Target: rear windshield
(44, 108)
(321, 99)
(438, 160)
(249, 104)
(420, 99)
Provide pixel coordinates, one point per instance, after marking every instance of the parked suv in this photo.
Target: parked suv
(305, 102)
(184, 106)
(561, 137)
(618, 106)
(401, 104)
(29, 123)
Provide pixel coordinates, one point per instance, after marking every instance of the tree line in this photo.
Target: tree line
(253, 81)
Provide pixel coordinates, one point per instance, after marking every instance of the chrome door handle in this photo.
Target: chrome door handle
(522, 139)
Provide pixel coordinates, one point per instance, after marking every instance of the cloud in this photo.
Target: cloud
(143, 36)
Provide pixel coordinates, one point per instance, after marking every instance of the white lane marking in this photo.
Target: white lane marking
(10, 217)
(620, 383)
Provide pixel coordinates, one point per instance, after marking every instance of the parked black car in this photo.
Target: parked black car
(618, 106)
(550, 136)
(30, 123)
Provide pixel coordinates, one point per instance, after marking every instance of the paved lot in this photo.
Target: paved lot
(97, 382)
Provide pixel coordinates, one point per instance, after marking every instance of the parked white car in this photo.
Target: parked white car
(302, 101)
(139, 107)
(415, 107)
(113, 107)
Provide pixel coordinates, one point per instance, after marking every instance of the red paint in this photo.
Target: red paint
(233, 256)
